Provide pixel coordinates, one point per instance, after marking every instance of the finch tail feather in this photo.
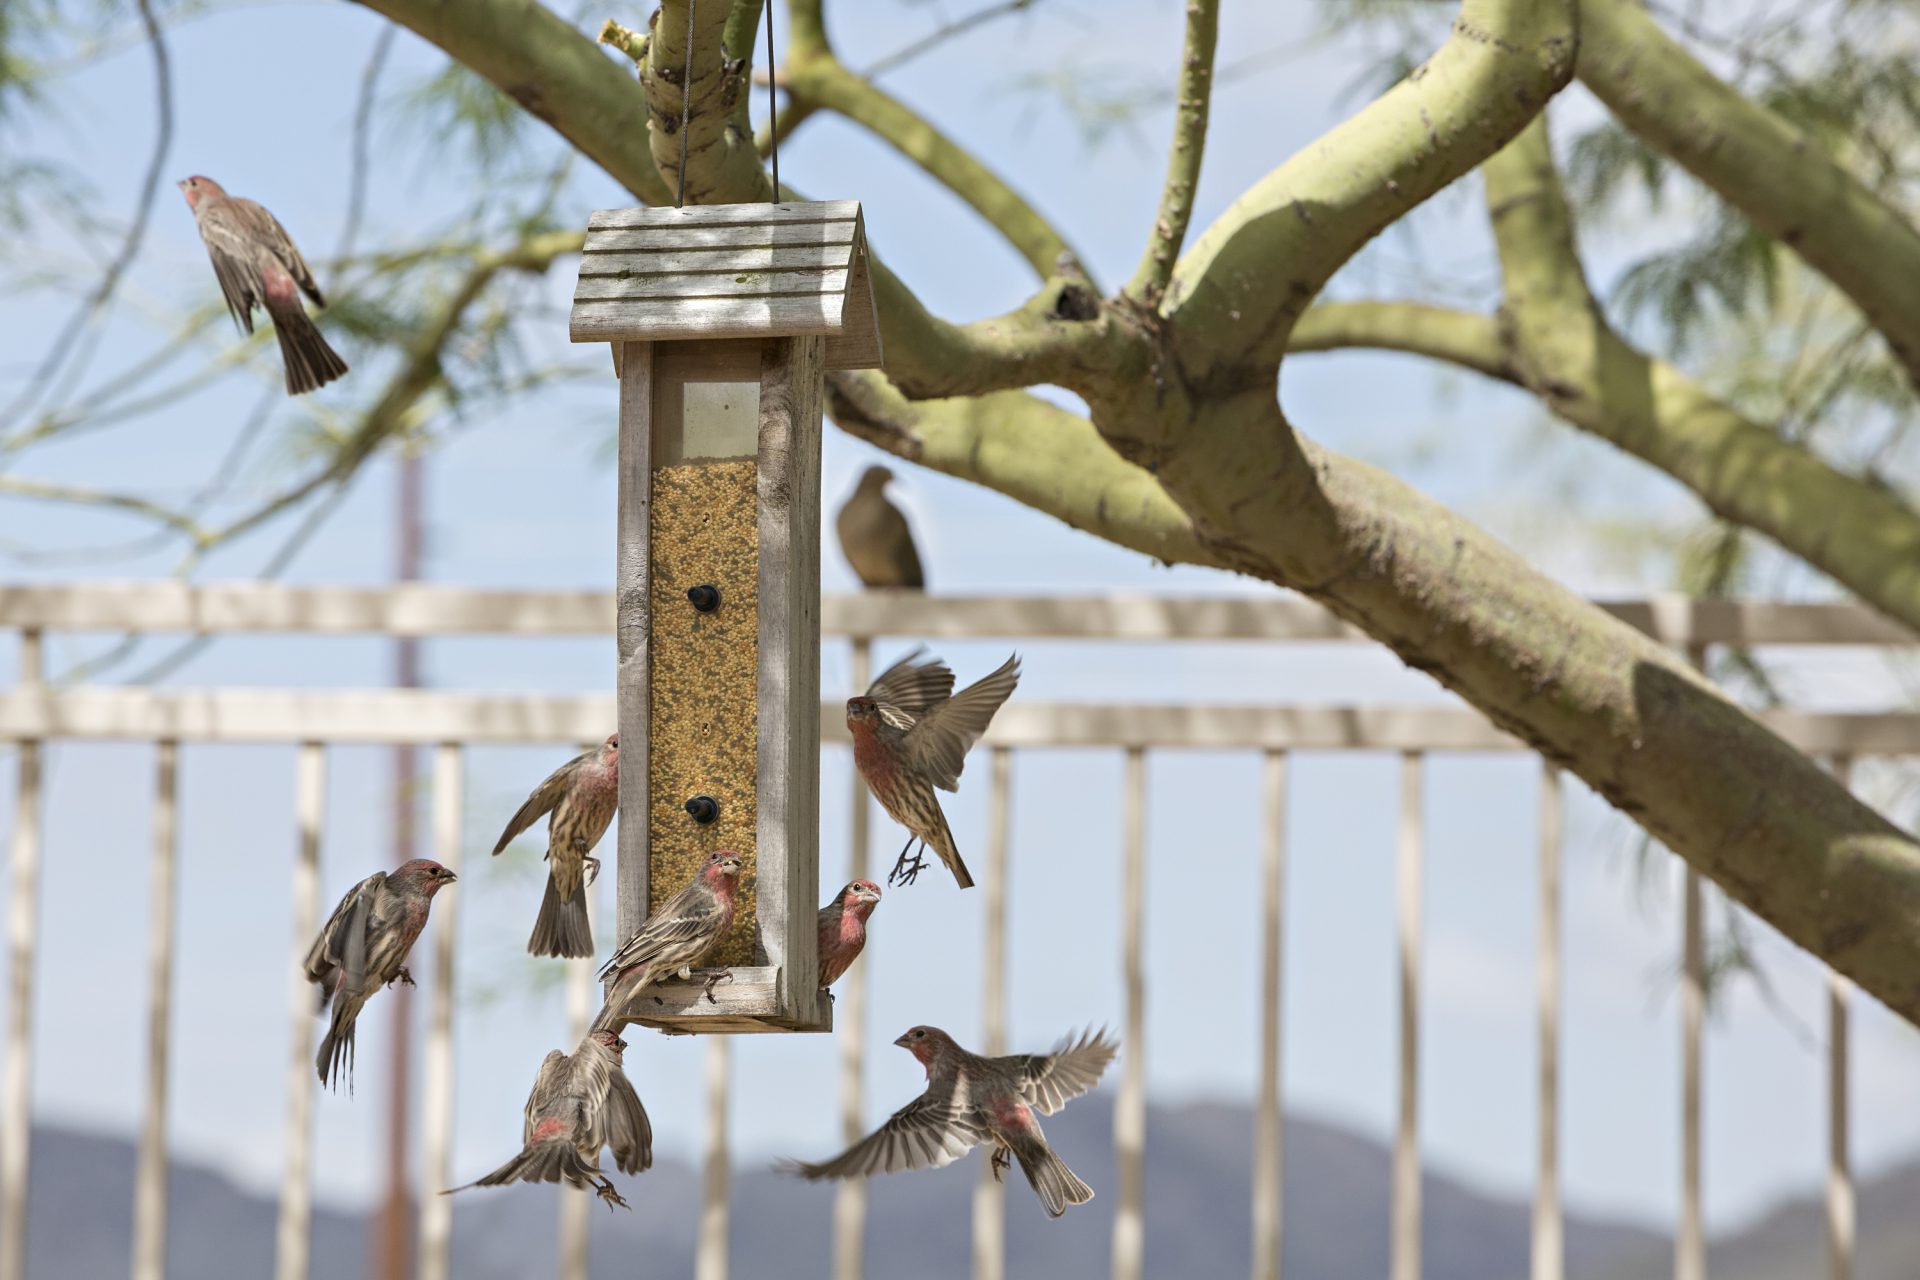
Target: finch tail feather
(553, 1161)
(1057, 1185)
(943, 845)
(310, 362)
(336, 1048)
(562, 928)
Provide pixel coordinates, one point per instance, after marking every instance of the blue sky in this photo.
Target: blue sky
(525, 498)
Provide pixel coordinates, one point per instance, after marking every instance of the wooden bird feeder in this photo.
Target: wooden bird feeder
(722, 319)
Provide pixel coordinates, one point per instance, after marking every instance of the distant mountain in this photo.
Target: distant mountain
(1198, 1177)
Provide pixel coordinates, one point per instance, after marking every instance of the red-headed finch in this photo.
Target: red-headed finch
(875, 538)
(843, 929)
(674, 939)
(257, 266)
(911, 733)
(578, 1105)
(582, 795)
(972, 1100)
(364, 947)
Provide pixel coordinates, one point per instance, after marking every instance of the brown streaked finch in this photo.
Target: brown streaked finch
(875, 538)
(582, 795)
(911, 733)
(258, 266)
(972, 1100)
(578, 1105)
(364, 947)
(674, 939)
(843, 929)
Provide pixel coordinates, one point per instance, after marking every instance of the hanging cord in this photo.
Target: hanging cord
(773, 107)
(686, 109)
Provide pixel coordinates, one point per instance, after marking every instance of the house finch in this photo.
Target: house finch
(583, 794)
(674, 939)
(971, 1100)
(364, 947)
(257, 265)
(875, 538)
(843, 929)
(578, 1105)
(911, 733)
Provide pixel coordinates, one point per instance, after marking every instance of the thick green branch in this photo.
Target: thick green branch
(1456, 337)
(1761, 165)
(1863, 536)
(1190, 109)
(1236, 293)
(559, 75)
(722, 166)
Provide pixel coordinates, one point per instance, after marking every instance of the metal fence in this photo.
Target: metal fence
(33, 712)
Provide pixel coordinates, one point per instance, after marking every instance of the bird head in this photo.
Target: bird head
(927, 1044)
(860, 896)
(722, 868)
(875, 478)
(197, 188)
(861, 711)
(611, 1041)
(424, 874)
(610, 749)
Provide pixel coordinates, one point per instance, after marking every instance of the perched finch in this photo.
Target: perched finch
(583, 794)
(843, 929)
(578, 1105)
(364, 947)
(911, 733)
(875, 538)
(971, 1100)
(258, 266)
(674, 939)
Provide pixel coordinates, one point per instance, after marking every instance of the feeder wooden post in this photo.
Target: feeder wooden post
(722, 319)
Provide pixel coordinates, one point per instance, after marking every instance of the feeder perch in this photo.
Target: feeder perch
(722, 319)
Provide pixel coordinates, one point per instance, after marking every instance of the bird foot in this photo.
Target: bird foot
(404, 978)
(607, 1192)
(714, 980)
(1002, 1158)
(592, 866)
(904, 872)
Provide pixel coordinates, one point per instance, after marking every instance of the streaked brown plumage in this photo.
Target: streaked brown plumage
(674, 939)
(583, 795)
(971, 1100)
(258, 266)
(875, 537)
(363, 947)
(842, 927)
(579, 1104)
(911, 733)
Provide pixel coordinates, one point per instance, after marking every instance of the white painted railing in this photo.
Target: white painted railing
(33, 713)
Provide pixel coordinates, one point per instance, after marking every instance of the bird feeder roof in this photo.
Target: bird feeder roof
(730, 271)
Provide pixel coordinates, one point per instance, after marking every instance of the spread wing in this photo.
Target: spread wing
(629, 1132)
(939, 743)
(265, 230)
(547, 1086)
(933, 1130)
(905, 690)
(342, 943)
(674, 935)
(1050, 1081)
(544, 797)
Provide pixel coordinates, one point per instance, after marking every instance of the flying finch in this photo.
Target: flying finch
(843, 929)
(582, 795)
(674, 939)
(258, 266)
(875, 538)
(972, 1100)
(578, 1105)
(364, 947)
(911, 733)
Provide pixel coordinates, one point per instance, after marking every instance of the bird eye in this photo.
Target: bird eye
(919, 1035)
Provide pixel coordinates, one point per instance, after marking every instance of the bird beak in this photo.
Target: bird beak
(902, 1041)
(451, 877)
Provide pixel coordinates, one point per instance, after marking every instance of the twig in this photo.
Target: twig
(934, 39)
(362, 133)
(1183, 161)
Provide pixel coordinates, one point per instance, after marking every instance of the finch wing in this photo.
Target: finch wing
(1050, 1081)
(547, 1086)
(933, 1130)
(267, 231)
(232, 257)
(905, 690)
(674, 935)
(344, 940)
(937, 746)
(544, 797)
(629, 1132)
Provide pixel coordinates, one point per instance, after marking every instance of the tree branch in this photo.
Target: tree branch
(1761, 165)
(1455, 337)
(1237, 292)
(1183, 161)
(1858, 533)
(722, 166)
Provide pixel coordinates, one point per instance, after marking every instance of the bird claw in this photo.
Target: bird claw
(607, 1192)
(404, 978)
(1002, 1158)
(714, 980)
(905, 872)
(592, 866)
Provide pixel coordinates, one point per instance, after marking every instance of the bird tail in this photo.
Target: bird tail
(1057, 1185)
(943, 845)
(310, 362)
(562, 928)
(336, 1047)
(555, 1160)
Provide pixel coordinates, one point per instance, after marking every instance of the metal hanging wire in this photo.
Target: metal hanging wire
(773, 108)
(686, 110)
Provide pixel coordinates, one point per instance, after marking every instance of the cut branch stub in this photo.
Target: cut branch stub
(722, 320)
